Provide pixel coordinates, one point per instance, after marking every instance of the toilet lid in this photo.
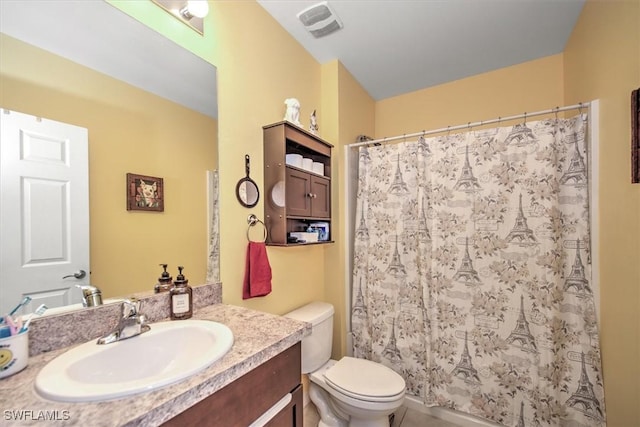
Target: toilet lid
(364, 379)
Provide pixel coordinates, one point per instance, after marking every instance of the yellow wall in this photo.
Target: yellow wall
(352, 113)
(531, 86)
(129, 131)
(259, 66)
(602, 61)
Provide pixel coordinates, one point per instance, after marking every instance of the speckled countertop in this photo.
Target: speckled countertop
(257, 338)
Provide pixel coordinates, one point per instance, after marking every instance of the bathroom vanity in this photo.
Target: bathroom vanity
(250, 396)
(261, 369)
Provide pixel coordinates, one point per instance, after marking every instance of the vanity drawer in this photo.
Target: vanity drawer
(247, 398)
(292, 414)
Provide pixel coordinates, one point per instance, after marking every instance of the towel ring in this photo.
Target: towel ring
(253, 220)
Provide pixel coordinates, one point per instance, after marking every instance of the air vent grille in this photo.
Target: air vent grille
(320, 19)
(312, 16)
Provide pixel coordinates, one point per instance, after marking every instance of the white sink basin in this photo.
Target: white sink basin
(169, 352)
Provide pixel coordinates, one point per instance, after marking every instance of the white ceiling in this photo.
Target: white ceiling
(397, 46)
(103, 38)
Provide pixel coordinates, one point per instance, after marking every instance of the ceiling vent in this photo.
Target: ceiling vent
(320, 20)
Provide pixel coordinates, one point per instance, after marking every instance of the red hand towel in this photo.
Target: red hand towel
(257, 275)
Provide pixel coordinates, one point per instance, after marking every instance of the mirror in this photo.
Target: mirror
(143, 116)
(247, 190)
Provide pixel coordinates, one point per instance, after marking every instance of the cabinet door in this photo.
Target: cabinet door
(298, 193)
(248, 397)
(321, 197)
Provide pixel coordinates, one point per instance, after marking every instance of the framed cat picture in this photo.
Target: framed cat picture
(145, 193)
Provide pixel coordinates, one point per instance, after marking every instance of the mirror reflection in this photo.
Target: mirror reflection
(247, 191)
(130, 130)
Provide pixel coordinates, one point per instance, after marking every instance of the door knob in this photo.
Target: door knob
(80, 274)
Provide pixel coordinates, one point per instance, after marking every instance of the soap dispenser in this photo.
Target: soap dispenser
(164, 281)
(181, 298)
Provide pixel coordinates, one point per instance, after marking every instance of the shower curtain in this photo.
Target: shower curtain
(472, 275)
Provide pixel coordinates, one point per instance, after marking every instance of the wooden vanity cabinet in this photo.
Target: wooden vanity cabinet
(294, 197)
(247, 398)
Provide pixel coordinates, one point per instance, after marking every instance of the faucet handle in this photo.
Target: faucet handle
(130, 308)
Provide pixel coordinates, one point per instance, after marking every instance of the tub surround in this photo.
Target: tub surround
(258, 337)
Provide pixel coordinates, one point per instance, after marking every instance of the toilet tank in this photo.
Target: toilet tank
(316, 348)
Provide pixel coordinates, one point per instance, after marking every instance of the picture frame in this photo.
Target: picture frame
(145, 193)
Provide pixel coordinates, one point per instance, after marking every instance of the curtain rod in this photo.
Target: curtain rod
(470, 125)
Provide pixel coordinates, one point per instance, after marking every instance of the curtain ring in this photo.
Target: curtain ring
(556, 112)
(583, 117)
(525, 117)
(448, 130)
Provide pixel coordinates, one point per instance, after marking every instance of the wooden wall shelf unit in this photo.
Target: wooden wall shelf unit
(295, 198)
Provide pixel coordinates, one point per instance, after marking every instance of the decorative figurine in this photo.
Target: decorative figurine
(293, 111)
(313, 123)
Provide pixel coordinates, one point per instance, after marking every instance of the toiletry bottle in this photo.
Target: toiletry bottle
(181, 298)
(164, 281)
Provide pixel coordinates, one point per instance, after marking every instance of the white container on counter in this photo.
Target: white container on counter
(14, 353)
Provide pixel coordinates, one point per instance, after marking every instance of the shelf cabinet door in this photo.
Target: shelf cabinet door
(307, 195)
(298, 190)
(321, 197)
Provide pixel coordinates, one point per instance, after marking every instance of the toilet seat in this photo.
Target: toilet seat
(365, 380)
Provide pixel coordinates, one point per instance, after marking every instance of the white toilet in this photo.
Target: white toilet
(349, 392)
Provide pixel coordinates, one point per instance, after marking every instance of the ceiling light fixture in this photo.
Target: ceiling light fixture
(190, 12)
(195, 9)
(320, 20)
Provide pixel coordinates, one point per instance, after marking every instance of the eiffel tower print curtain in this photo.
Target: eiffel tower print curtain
(472, 275)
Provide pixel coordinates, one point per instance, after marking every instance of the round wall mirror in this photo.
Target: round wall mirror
(247, 190)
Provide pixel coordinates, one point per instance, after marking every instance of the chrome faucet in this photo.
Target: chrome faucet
(91, 295)
(131, 324)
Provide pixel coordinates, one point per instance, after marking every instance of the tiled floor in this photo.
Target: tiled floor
(403, 418)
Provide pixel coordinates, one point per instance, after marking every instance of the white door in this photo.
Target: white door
(44, 211)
